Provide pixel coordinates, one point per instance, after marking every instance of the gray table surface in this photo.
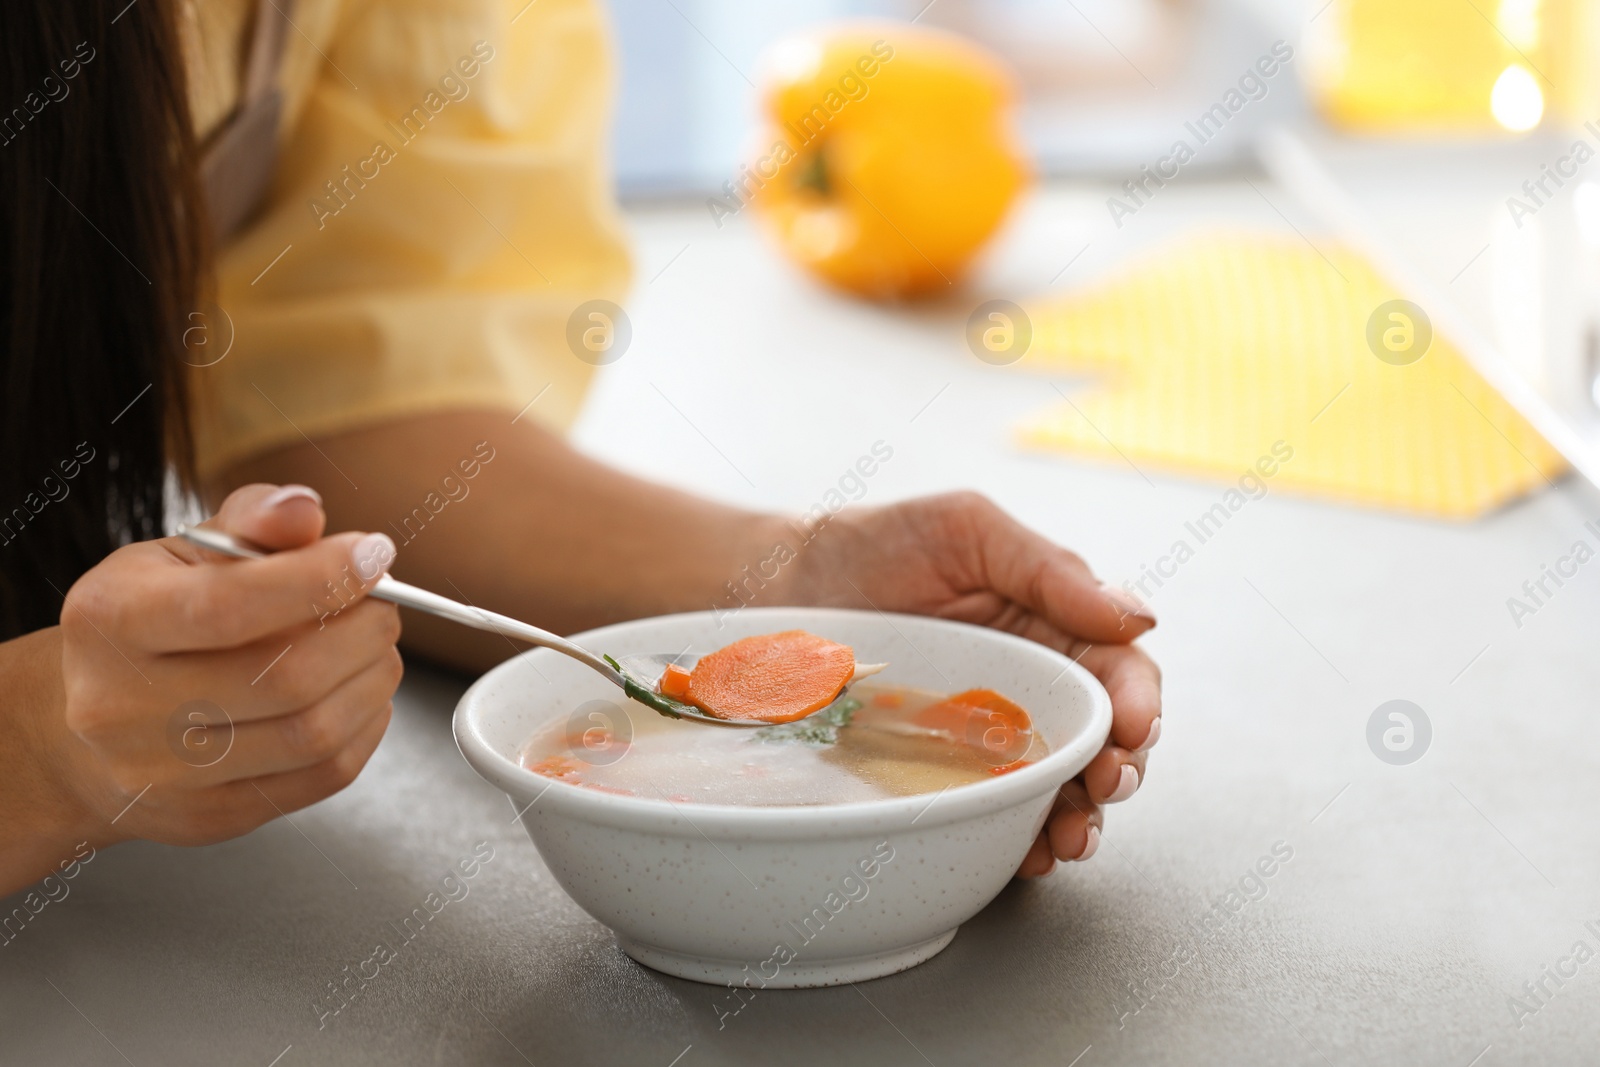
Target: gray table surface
(1417, 901)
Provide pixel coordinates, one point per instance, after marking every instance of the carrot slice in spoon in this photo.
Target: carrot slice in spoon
(674, 682)
(771, 678)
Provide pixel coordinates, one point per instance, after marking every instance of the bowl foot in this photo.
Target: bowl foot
(798, 973)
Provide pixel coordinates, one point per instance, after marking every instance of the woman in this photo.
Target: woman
(391, 312)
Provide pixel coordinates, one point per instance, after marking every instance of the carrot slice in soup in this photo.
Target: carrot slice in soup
(771, 678)
(983, 719)
(1014, 765)
(558, 767)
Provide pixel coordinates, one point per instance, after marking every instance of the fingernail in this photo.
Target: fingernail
(372, 555)
(1152, 737)
(285, 493)
(1125, 785)
(1127, 604)
(1091, 845)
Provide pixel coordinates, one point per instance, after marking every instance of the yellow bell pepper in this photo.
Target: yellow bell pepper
(888, 160)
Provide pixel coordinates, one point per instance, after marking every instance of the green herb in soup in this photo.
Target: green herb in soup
(819, 729)
(878, 742)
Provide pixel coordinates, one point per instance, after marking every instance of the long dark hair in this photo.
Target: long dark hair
(102, 250)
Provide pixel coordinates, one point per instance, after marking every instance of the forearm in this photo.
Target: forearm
(42, 820)
(538, 531)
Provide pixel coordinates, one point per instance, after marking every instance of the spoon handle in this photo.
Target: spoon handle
(410, 596)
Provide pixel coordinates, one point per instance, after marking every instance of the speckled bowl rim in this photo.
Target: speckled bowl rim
(793, 822)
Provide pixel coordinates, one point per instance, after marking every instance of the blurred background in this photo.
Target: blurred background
(1106, 81)
(1445, 141)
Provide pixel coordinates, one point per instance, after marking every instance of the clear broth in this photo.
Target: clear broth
(899, 742)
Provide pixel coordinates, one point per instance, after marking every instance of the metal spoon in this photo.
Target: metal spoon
(637, 676)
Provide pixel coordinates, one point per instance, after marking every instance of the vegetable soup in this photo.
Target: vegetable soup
(872, 743)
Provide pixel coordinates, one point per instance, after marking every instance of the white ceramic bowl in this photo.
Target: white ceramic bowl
(787, 896)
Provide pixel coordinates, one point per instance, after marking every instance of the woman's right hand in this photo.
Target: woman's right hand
(205, 696)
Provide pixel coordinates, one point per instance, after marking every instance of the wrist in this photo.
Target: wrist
(47, 780)
(751, 569)
(810, 551)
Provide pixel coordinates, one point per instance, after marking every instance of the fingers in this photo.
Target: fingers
(178, 815)
(1114, 775)
(272, 516)
(195, 681)
(1071, 833)
(290, 669)
(309, 736)
(1047, 579)
(298, 789)
(1133, 681)
(225, 603)
(1038, 862)
(1073, 829)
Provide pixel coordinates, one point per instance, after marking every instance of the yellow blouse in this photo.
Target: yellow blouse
(441, 206)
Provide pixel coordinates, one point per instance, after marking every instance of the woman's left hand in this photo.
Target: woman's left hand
(958, 556)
